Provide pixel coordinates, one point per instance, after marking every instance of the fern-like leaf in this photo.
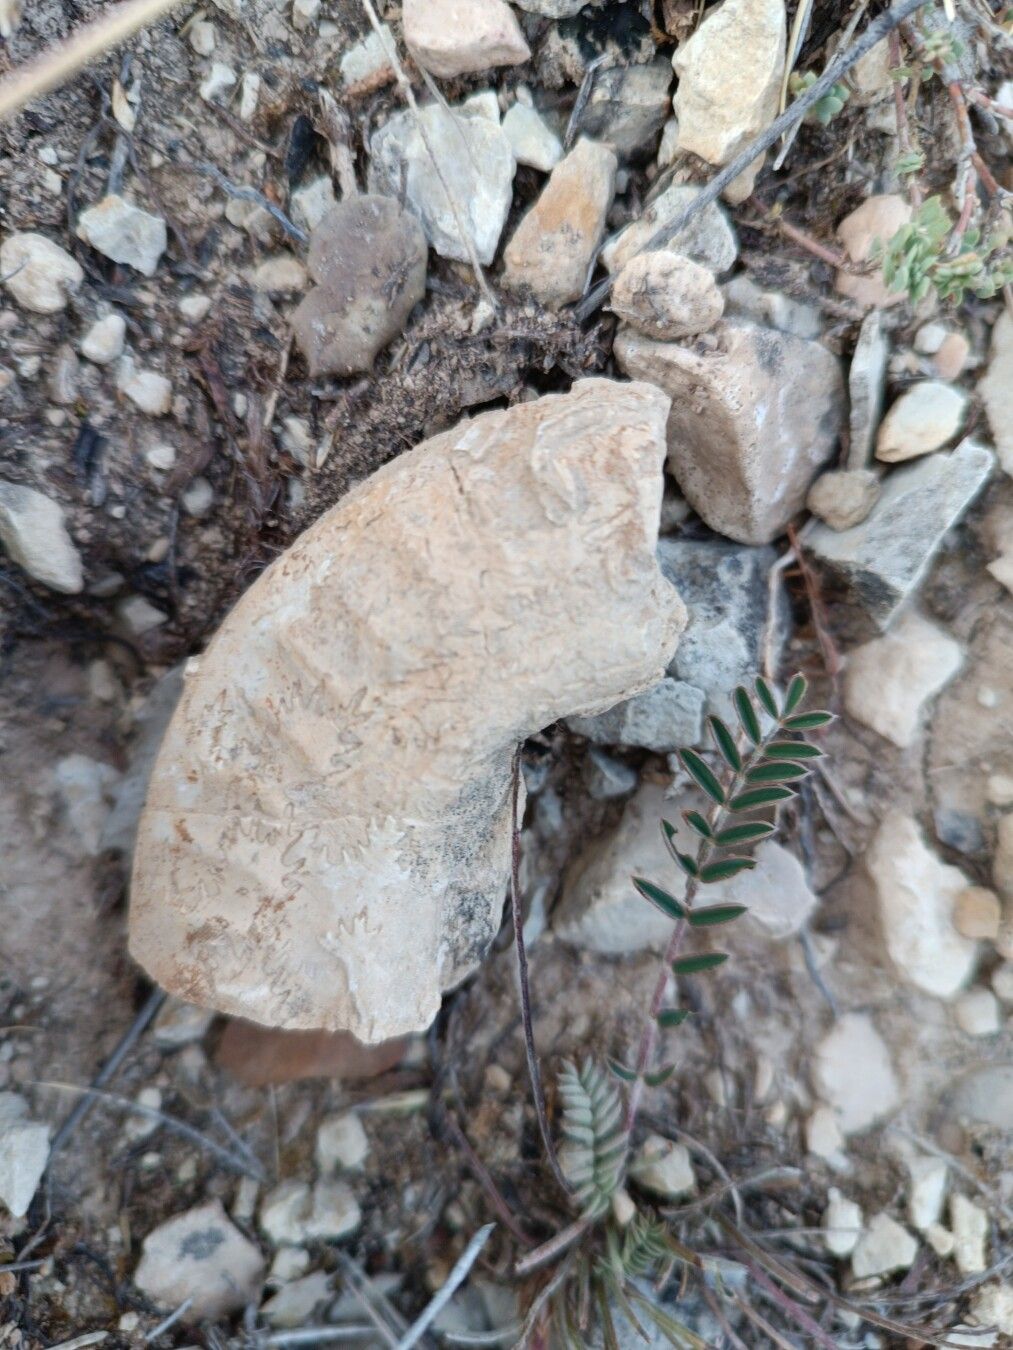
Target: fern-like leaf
(596, 1141)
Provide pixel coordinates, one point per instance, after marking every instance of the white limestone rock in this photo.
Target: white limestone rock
(866, 386)
(86, 790)
(24, 1153)
(890, 680)
(475, 161)
(776, 893)
(730, 73)
(970, 1225)
(885, 1246)
(353, 753)
(663, 1168)
(105, 339)
(369, 59)
(121, 231)
(755, 413)
(459, 37)
(531, 139)
(600, 910)
(551, 251)
(202, 1257)
(293, 1212)
(34, 535)
(341, 1143)
(926, 417)
(148, 389)
(842, 1224)
(930, 1178)
(996, 389)
(39, 274)
(916, 893)
(977, 1013)
(854, 1075)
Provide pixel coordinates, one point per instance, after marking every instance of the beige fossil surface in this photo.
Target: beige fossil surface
(326, 838)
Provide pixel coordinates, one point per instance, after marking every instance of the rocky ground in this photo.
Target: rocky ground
(233, 287)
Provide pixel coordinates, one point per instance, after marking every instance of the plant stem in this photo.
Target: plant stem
(649, 1035)
(534, 1072)
(903, 122)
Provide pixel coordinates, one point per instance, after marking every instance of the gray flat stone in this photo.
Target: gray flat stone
(880, 562)
(660, 719)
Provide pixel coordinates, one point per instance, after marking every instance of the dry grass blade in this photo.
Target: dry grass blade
(454, 1280)
(56, 66)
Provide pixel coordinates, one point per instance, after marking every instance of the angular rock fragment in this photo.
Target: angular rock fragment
(473, 161)
(533, 142)
(458, 37)
(708, 238)
(551, 251)
(917, 893)
(660, 719)
(38, 273)
(121, 231)
(854, 1074)
(666, 295)
(880, 562)
(726, 590)
(925, 418)
(326, 838)
(884, 1246)
(744, 299)
(996, 390)
(24, 1153)
(866, 383)
(628, 105)
(34, 534)
(600, 911)
(202, 1257)
(368, 259)
(754, 414)
(729, 80)
(889, 680)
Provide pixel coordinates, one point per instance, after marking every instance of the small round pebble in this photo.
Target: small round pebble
(844, 497)
(977, 913)
(667, 295)
(104, 340)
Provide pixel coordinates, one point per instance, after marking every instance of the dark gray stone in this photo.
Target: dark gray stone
(726, 589)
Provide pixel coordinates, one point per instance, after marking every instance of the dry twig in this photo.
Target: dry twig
(56, 66)
(712, 189)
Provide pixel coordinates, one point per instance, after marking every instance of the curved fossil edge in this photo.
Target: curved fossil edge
(326, 839)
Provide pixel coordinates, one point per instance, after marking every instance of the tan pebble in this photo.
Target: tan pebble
(951, 358)
(977, 913)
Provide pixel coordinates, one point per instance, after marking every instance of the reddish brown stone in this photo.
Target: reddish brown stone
(260, 1055)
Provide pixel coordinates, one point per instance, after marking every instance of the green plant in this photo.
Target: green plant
(928, 253)
(618, 1244)
(825, 109)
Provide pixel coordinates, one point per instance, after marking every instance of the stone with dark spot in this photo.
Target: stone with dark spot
(203, 1257)
(368, 258)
